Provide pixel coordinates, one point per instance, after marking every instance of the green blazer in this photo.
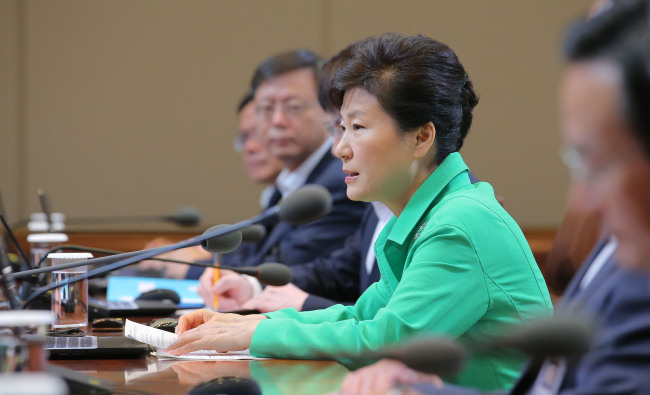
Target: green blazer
(454, 263)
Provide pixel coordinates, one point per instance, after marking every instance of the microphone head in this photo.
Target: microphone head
(275, 274)
(558, 336)
(432, 355)
(223, 243)
(187, 216)
(305, 205)
(253, 233)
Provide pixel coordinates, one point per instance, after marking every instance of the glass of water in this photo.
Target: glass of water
(69, 301)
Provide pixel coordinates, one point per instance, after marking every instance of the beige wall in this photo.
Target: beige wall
(128, 107)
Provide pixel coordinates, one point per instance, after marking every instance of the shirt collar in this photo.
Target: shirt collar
(288, 182)
(265, 197)
(440, 182)
(382, 212)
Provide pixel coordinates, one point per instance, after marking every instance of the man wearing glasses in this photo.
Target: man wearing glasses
(292, 127)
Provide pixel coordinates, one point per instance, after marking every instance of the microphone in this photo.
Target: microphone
(253, 234)
(15, 242)
(435, 355)
(216, 245)
(8, 283)
(558, 336)
(184, 216)
(269, 273)
(306, 204)
(249, 234)
(45, 206)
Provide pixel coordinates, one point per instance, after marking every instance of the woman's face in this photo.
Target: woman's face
(376, 160)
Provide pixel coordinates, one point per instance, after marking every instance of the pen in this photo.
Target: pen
(215, 278)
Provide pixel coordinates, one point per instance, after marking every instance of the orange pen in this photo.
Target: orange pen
(215, 278)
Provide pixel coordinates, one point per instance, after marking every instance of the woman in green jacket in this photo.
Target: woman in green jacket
(452, 261)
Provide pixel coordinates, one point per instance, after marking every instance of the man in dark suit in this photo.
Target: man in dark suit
(292, 126)
(339, 278)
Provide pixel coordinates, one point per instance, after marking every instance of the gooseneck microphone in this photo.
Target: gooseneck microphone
(557, 336)
(215, 245)
(184, 216)
(45, 207)
(306, 204)
(8, 283)
(253, 234)
(435, 355)
(11, 235)
(269, 273)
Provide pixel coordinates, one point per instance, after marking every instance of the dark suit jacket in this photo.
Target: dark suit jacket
(619, 360)
(342, 276)
(299, 244)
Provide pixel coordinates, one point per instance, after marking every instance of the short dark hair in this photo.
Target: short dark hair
(416, 80)
(285, 62)
(326, 75)
(619, 36)
(247, 98)
(635, 66)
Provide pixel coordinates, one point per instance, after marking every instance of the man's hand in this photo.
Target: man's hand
(233, 289)
(276, 298)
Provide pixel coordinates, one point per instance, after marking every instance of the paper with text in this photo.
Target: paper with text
(160, 339)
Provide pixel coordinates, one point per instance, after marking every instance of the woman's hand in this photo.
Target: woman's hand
(209, 330)
(382, 376)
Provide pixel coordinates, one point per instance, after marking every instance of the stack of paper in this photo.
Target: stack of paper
(160, 340)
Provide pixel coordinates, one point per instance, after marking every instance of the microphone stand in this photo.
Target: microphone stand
(267, 214)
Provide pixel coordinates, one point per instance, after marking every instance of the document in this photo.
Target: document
(159, 339)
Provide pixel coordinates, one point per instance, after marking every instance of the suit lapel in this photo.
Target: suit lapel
(572, 298)
(574, 286)
(275, 231)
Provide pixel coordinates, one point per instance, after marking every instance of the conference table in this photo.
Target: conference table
(150, 375)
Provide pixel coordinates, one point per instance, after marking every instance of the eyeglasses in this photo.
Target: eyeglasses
(239, 141)
(292, 109)
(581, 172)
(333, 129)
(574, 162)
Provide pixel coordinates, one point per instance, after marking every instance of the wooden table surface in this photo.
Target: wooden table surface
(150, 375)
